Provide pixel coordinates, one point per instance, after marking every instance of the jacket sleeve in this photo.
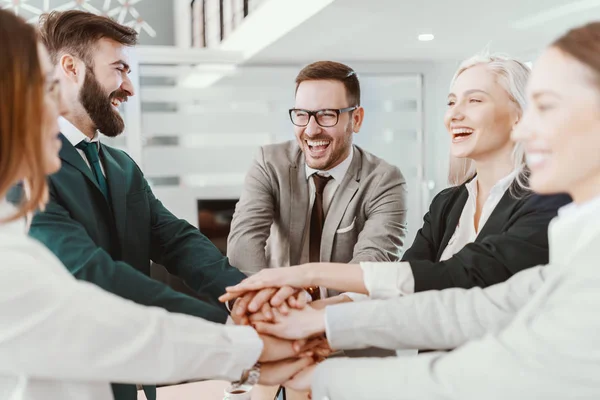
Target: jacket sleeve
(426, 245)
(433, 320)
(57, 328)
(497, 257)
(70, 242)
(251, 224)
(187, 253)
(382, 237)
(544, 352)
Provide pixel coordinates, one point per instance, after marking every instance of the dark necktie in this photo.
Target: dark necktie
(317, 218)
(90, 149)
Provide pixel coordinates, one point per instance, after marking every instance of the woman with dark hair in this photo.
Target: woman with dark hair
(534, 336)
(66, 339)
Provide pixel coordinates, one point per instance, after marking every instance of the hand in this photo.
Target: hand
(297, 277)
(298, 324)
(282, 371)
(261, 301)
(339, 299)
(275, 349)
(302, 380)
(318, 347)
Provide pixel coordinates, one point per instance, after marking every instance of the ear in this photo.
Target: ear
(358, 116)
(72, 68)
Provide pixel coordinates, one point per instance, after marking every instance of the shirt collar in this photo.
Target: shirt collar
(572, 210)
(74, 135)
(499, 188)
(8, 210)
(338, 172)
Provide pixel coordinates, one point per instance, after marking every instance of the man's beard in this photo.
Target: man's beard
(99, 108)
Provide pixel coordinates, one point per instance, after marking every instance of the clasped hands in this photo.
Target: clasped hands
(292, 329)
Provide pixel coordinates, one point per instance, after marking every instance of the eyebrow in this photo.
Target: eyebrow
(471, 91)
(125, 65)
(541, 93)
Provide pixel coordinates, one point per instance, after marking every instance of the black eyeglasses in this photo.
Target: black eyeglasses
(326, 118)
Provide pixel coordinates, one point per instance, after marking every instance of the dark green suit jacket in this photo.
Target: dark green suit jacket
(111, 243)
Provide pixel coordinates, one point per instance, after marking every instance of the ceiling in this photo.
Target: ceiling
(387, 30)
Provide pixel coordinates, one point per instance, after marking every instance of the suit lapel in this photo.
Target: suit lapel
(69, 154)
(116, 181)
(453, 218)
(299, 202)
(341, 199)
(499, 216)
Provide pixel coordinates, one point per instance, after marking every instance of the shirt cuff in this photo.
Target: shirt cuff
(355, 296)
(385, 280)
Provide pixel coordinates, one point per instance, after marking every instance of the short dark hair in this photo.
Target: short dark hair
(333, 71)
(76, 32)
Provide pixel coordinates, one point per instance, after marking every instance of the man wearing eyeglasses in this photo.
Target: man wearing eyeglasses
(319, 198)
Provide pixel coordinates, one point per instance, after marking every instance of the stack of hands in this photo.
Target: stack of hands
(292, 329)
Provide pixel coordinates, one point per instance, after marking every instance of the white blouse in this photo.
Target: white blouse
(66, 339)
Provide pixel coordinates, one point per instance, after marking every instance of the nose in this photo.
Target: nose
(456, 113)
(312, 128)
(127, 86)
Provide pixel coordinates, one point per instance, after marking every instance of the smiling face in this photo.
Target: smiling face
(561, 128)
(326, 147)
(480, 115)
(106, 86)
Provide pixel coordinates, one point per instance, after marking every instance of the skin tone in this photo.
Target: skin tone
(106, 83)
(560, 128)
(325, 148)
(52, 109)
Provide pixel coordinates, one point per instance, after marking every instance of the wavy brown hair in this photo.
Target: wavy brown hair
(21, 113)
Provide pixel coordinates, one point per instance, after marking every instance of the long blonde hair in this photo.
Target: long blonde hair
(512, 75)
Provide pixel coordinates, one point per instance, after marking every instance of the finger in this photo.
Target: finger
(224, 298)
(261, 298)
(266, 312)
(241, 305)
(258, 317)
(301, 299)
(282, 295)
(284, 309)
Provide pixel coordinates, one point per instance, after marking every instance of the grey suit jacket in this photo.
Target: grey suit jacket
(366, 220)
(534, 336)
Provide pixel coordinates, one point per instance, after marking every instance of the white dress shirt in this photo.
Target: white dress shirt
(75, 136)
(385, 280)
(534, 336)
(66, 339)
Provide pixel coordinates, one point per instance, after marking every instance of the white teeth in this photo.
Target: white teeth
(533, 159)
(317, 143)
(457, 131)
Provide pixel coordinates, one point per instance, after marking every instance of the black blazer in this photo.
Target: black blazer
(514, 237)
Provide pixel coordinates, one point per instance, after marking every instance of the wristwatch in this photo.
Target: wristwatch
(249, 377)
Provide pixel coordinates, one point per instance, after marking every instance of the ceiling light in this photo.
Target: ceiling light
(426, 37)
